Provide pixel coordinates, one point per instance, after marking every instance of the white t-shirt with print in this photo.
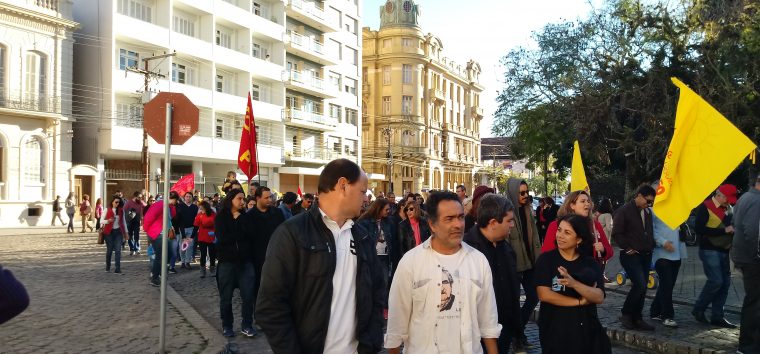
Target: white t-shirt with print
(448, 331)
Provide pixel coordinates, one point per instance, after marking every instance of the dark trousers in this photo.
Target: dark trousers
(667, 271)
(113, 245)
(531, 296)
(637, 270)
(749, 330)
(717, 268)
(210, 250)
(156, 271)
(228, 277)
(134, 234)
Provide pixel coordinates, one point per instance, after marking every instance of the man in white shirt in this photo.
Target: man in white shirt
(442, 298)
(322, 286)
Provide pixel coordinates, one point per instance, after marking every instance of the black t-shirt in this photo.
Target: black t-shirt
(574, 329)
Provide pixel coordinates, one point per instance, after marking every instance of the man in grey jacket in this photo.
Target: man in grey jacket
(746, 255)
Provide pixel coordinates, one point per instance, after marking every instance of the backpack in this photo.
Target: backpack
(131, 214)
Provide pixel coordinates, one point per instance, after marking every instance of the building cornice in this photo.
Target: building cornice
(31, 19)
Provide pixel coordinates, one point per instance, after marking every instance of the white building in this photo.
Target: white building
(35, 110)
(298, 58)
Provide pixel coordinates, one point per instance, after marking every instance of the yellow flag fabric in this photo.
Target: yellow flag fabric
(705, 149)
(578, 174)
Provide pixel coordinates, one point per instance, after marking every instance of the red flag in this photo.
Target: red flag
(247, 152)
(299, 191)
(185, 184)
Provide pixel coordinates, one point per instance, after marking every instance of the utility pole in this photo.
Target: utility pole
(147, 74)
(388, 133)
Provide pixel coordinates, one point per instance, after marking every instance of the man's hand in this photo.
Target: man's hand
(729, 229)
(599, 247)
(668, 246)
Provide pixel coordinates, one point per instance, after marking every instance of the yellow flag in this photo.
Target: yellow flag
(705, 149)
(578, 174)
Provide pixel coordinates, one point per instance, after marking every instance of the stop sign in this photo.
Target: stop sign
(184, 118)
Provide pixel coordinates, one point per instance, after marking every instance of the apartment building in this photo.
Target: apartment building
(288, 54)
(421, 110)
(35, 111)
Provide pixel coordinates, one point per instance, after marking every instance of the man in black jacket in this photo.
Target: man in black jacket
(264, 220)
(495, 218)
(633, 231)
(322, 287)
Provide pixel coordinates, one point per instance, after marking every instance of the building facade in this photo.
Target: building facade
(297, 58)
(421, 125)
(35, 110)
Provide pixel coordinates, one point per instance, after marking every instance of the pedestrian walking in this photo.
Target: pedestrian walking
(570, 285)
(454, 314)
(714, 225)
(495, 218)
(57, 210)
(265, 218)
(98, 213)
(304, 205)
(322, 288)
(153, 225)
(85, 211)
(668, 254)
(605, 218)
(746, 255)
(545, 214)
(376, 221)
(114, 232)
(632, 230)
(204, 221)
(288, 203)
(187, 210)
(235, 269)
(414, 230)
(134, 212)
(70, 211)
(527, 246)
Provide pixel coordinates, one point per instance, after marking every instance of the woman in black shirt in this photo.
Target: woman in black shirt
(570, 286)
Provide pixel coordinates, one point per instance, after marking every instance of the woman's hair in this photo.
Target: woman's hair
(566, 207)
(206, 207)
(548, 200)
(580, 226)
(605, 206)
(227, 202)
(115, 197)
(99, 201)
(417, 210)
(373, 213)
(85, 197)
(71, 195)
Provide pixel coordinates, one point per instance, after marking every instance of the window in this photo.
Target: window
(386, 43)
(33, 160)
(352, 55)
(406, 42)
(139, 9)
(129, 115)
(223, 37)
(334, 80)
(333, 48)
(257, 9)
(407, 74)
(387, 75)
(35, 87)
(184, 23)
(182, 74)
(335, 112)
(228, 127)
(350, 25)
(407, 137)
(260, 50)
(386, 105)
(128, 59)
(2, 84)
(220, 83)
(352, 116)
(406, 105)
(350, 86)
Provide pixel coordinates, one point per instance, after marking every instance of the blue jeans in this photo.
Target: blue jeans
(173, 251)
(718, 271)
(113, 244)
(230, 276)
(156, 268)
(662, 305)
(187, 255)
(134, 235)
(637, 270)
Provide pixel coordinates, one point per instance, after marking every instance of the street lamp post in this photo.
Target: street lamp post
(388, 133)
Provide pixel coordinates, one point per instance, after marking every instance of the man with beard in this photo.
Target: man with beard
(265, 218)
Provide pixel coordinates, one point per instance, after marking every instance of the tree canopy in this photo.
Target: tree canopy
(605, 81)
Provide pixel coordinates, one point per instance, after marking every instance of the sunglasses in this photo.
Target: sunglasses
(410, 209)
(523, 192)
(650, 202)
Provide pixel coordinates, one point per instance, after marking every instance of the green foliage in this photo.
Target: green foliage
(605, 81)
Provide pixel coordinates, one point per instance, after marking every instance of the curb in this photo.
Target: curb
(727, 308)
(214, 340)
(642, 341)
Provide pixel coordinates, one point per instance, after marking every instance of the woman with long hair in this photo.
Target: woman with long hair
(114, 233)
(376, 221)
(85, 211)
(569, 286)
(414, 230)
(70, 205)
(98, 212)
(204, 221)
(605, 217)
(235, 268)
(579, 203)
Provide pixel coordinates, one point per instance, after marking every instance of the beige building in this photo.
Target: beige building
(421, 111)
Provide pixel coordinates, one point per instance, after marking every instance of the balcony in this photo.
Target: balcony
(312, 155)
(307, 82)
(308, 48)
(29, 101)
(266, 27)
(437, 96)
(232, 58)
(306, 119)
(310, 14)
(476, 112)
(138, 31)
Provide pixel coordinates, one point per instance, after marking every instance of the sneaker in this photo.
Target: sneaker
(172, 270)
(669, 323)
(108, 270)
(117, 271)
(228, 332)
(155, 282)
(249, 332)
(657, 318)
(131, 253)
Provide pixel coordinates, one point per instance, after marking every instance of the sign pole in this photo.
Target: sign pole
(165, 233)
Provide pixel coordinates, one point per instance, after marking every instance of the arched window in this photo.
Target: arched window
(33, 158)
(35, 82)
(407, 138)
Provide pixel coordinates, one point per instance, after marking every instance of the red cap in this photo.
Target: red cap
(479, 191)
(729, 190)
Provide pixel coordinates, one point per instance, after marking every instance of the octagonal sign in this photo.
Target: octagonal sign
(184, 118)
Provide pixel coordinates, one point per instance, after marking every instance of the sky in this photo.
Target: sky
(485, 30)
